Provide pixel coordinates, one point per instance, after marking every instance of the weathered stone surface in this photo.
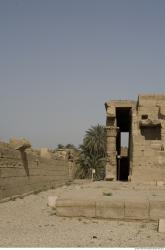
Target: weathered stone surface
(137, 209)
(111, 111)
(160, 183)
(149, 123)
(161, 226)
(111, 131)
(145, 122)
(61, 154)
(151, 100)
(76, 208)
(19, 144)
(52, 201)
(112, 209)
(17, 178)
(157, 209)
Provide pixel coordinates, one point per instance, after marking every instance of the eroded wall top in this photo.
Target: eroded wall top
(151, 100)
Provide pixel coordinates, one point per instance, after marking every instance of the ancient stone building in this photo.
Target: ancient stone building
(144, 120)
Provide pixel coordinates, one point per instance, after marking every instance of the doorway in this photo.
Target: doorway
(123, 117)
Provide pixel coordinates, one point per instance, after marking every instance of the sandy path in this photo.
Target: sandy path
(29, 222)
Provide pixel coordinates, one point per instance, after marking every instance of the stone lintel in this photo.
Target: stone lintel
(120, 104)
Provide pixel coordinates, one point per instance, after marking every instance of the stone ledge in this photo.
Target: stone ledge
(76, 208)
(110, 209)
(137, 209)
(157, 209)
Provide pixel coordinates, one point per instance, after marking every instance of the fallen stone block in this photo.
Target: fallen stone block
(157, 209)
(161, 227)
(76, 208)
(110, 209)
(52, 201)
(137, 209)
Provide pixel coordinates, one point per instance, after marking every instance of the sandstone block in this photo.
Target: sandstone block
(52, 201)
(157, 209)
(76, 208)
(147, 110)
(111, 140)
(111, 111)
(111, 147)
(111, 131)
(110, 209)
(160, 183)
(110, 177)
(137, 209)
(161, 227)
(156, 146)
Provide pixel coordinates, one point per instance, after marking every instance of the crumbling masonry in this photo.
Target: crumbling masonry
(144, 120)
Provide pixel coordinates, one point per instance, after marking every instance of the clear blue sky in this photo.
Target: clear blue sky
(60, 60)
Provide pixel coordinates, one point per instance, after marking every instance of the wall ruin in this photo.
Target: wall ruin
(144, 120)
(22, 172)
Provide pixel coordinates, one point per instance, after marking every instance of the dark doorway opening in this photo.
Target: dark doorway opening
(123, 116)
(124, 168)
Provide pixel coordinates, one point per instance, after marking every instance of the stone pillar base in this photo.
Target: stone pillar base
(109, 178)
(109, 175)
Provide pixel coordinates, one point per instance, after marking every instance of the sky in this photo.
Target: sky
(61, 60)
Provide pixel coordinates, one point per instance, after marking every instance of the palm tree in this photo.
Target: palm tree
(95, 140)
(93, 151)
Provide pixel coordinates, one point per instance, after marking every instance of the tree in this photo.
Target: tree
(93, 152)
(70, 146)
(60, 146)
(95, 141)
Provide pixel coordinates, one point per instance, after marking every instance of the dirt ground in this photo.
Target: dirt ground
(29, 222)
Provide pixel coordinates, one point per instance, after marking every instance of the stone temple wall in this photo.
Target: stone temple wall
(148, 163)
(22, 173)
(144, 120)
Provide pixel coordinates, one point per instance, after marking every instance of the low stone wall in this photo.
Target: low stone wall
(136, 209)
(24, 172)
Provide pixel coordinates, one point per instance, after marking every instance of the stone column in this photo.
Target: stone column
(111, 164)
